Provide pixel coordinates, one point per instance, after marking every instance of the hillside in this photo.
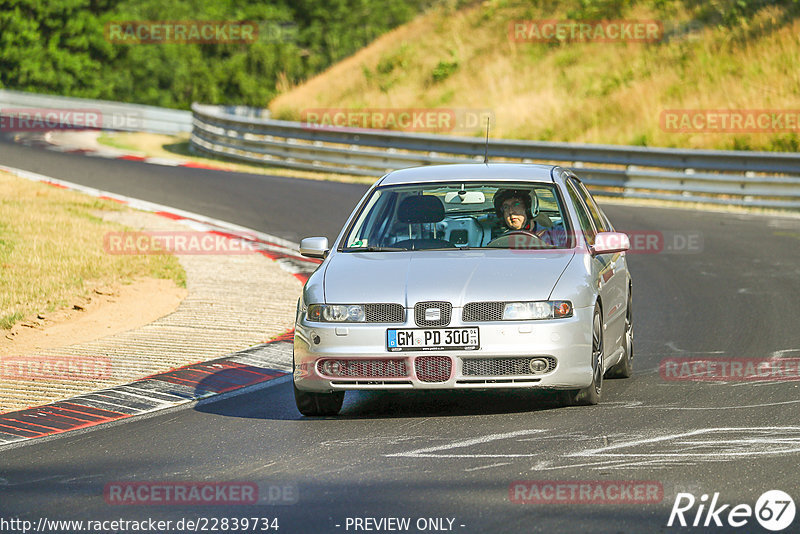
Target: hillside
(90, 48)
(720, 55)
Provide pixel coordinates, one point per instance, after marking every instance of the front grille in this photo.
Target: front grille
(445, 310)
(503, 366)
(433, 368)
(483, 311)
(382, 368)
(384, 313)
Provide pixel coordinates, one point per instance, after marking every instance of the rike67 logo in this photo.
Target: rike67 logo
(774, 510)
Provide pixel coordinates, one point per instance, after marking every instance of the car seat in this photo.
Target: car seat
(421, 209)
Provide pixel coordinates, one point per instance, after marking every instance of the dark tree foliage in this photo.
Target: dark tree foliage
(60, 47)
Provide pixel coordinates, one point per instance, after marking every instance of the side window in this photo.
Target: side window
(583, 217)
(380, 228)
(600, 222)
(376, 204)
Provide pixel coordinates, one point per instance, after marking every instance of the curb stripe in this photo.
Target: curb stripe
(201, 380)
(20, 431)
(168, 215)
(88, 410)
(110, 153)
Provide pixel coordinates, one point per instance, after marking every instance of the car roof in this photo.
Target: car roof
(472, 172)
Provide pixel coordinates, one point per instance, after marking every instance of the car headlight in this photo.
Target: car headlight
(336, 313)
(523, 311)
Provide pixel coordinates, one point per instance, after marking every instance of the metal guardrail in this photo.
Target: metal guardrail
(763, 179)
(111, 115)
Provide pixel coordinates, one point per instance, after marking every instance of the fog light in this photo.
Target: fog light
(538, 366)
(332, 367)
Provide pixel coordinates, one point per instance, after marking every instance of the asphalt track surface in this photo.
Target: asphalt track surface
(455, 455)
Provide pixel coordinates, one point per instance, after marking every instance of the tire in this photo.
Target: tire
(318, 404)
(591, 394)
(624, 369)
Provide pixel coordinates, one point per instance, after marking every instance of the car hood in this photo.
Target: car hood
(454, 276)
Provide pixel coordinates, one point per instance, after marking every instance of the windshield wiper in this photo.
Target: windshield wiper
(375, 249)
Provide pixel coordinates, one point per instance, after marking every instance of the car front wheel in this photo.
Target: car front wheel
(590, 395)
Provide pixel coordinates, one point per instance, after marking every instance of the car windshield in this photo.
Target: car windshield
(457, 215)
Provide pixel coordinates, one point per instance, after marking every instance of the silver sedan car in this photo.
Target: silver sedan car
(469, 276)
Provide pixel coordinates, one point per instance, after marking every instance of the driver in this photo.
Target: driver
(516, 209)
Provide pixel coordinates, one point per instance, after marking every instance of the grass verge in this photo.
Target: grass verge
(51, 250)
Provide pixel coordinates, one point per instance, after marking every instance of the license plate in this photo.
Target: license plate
(432, 339)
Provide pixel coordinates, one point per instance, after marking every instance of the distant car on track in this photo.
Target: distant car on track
(429, 286)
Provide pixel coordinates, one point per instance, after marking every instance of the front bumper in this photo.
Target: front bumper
(566, 340)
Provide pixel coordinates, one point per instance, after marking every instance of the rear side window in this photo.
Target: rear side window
(583, 217)
(600, 222)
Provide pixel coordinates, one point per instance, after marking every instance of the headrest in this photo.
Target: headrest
(421, 209)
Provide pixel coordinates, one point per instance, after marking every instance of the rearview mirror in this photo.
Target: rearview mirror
(469, 197)
(314, 247)
(608, 242)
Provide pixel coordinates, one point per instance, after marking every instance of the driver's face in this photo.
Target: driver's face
(514, 213)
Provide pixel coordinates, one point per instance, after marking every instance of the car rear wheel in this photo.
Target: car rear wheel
(590, 395)
(624, 369)
(318, 404)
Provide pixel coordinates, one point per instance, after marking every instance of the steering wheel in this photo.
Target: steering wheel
(518, 239)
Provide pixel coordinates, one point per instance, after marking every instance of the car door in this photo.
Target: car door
(603, 270)
(614, 275)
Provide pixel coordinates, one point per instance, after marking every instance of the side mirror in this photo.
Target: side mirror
(608, 242)
(314, 247)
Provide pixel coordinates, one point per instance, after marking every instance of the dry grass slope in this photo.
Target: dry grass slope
(581, 92)
(51, 250)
